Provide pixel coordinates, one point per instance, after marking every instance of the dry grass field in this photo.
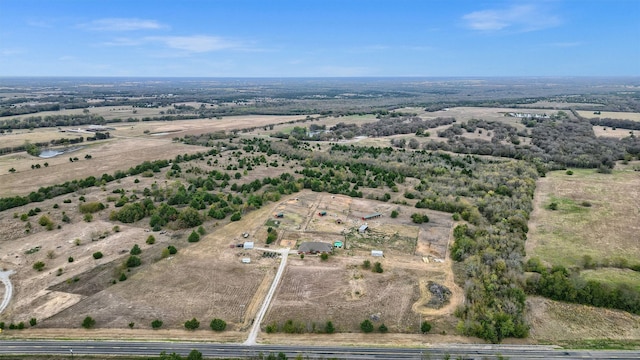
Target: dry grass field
(207, 279)
(558, 322)
(635, 116)
(129, 147)
(609, 132)
(608, 229)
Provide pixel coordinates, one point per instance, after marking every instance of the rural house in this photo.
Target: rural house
(315, 247)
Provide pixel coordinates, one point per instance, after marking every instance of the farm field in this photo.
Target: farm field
(607, 230)
(606, 131)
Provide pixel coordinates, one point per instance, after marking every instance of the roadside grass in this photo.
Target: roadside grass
(596, 215)
(613, 275)
(600, 344)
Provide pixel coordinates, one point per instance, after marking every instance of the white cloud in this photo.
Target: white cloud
(195, 43)
(518, 17)
(122, 24)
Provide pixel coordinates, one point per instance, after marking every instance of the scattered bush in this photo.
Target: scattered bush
(394, 214)
(88, 322)
(70, 259)
(135, 250)
(377, 267)
(236, 216)
(151, 240)
(133, 261)
(91, 207)
(366, 264)
(192, 324)
(194, 237)
(329, 328)
(425, 327)
(324, 256)
(97, 255)
(156, 324)
(122, 277)
(172, 249)
(218, 325)
(33, 322)
(38, 266)
(383, 328)
(419, 218)
(366, 326)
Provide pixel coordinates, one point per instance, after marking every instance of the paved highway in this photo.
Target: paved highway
(212, 350)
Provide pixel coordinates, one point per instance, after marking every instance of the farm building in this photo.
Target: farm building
(377, 253)
(363, 229)
(315, 247)
(248, 245)
(246, 260)
(371, 216)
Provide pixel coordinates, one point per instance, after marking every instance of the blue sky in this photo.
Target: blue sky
(313, 38)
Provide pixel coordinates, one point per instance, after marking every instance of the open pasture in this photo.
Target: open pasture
(597, 215)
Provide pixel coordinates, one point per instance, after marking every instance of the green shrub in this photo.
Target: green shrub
(377, 267)
(324, 256)
(218, 325)
(394, 214)
(33, 322)
(425, 327)
(329, 328)
(38, 266)
(236, 216)
(172, 249)
(151, 240)
(91, 207)
(133, 261)
(366, 326)
(192, 324)
(122, 277)
(194, 237)
(97, 255)
(88, 322)
(366, 264)
(383, 328)
(135, 250)
(156, 324)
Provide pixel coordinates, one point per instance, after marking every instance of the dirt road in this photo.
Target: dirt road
(8, 289)
(255, 329)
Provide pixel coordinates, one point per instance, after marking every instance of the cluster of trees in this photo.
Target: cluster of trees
(558, 283)
(52, 121)
(616, 123)
(297, 327)
(50, 192)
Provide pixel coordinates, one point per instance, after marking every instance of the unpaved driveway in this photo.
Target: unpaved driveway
(253, 334)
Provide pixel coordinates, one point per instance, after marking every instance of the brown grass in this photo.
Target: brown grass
(635, 116)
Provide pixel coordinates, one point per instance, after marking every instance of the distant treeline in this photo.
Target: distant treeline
(34, 148)
(616, 123)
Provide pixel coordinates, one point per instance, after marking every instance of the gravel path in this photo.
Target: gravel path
(253, 334)
(8, 289)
